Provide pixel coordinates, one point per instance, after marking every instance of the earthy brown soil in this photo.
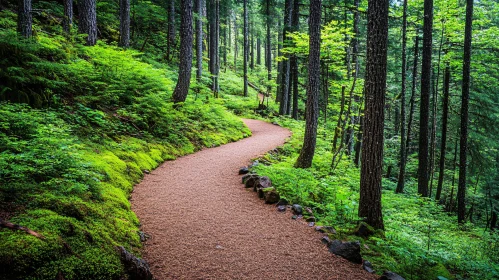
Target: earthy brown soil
(205, 225)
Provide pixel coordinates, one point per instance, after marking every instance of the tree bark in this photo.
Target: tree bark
(443, 146)
(312, 112)
(246, 47)
(24, 18)
(268, 54)
(185, 65)
(425, 99)
(295, 25)
(88, 20)
(258, 51)
(67, 21)
(285, 73)
(400, 183)
(124, 23)
(375, 86)
(170, 44)
(216, 48)
(413, 97)
(463, 143)
(199, 41)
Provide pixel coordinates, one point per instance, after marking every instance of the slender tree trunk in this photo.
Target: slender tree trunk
(268, 57)
(216, 47)
(375, 86)
(284, 102)
(88, 20)
(124, 23)
(425, 99)
(400, 183)
(451, 202)
(463, 147)
(170, 45)
(258, 51)
(295, 24)
(67, 21)
(246, 48)
(413, 97)
(236, 37)
(24, 18)
(445, 114)
(433, 140)
(252, 46)
(355, 50)
(185, 65)
(340, 119)
(199, 40)
(312, 112)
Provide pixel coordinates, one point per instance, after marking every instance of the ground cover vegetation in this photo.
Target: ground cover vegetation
(91, 102)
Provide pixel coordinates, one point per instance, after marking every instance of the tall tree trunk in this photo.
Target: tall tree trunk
(463, 143)
(445, 114)
(413, 97)
(88, 20)
(124, 23)
(252, 46)
(246, 48)
(425, 99)
(284, 102)
(236, 37)
(340, 119)
(258, 51)
(170, 44)
(400, 183)
(375, 86)
(268, 57)
(199, 40)
(216, 47)
(313, 90)
(295, 25)
(433, 140)
(67, 21)
(185, 65)
(355, 50)
(24, 18)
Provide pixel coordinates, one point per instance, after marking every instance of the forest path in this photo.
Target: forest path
(205, 225)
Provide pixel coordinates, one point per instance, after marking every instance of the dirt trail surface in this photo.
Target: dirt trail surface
(205, 225)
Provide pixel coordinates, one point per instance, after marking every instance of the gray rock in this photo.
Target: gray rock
(294, 217)
(250, 181)
(311, 224)
(147, 171)
(243, 170)
(325, 240)
(281, 208)
(347, 250)
(137, 269)
(271, 196)
(262, 183)
(388, 275)
(297, 209)
(367, 266)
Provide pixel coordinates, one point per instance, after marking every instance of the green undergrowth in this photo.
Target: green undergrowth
(420, 241)
(98, 118)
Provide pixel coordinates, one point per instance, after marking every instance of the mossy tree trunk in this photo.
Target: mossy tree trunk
(24, 18)
(88, 20)
(185, 66)
(314, 63)
(124, 23)
(375, 90)
(67, 21)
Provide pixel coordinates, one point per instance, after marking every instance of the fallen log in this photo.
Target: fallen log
(9, 225)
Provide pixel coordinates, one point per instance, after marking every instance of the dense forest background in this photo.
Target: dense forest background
(95, 93)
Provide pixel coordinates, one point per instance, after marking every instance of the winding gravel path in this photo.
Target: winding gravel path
(205, 225)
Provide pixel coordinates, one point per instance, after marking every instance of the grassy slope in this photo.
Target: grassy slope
(66, 172)
(412, 224)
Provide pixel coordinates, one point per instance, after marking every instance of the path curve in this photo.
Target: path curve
(205, 225)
